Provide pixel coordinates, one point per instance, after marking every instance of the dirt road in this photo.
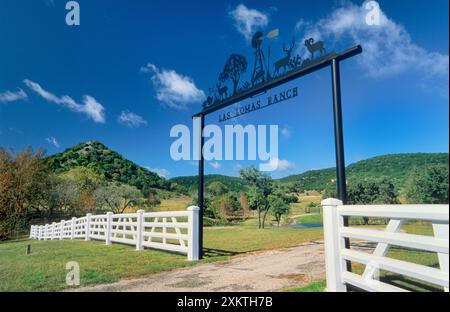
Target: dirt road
(263, 271)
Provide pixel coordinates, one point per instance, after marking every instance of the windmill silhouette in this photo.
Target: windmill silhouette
(259, 73)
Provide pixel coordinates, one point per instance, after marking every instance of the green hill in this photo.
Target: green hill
(113, 166)
(189, 183)
(396, 168)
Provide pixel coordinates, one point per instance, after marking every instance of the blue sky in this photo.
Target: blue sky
(134, 69)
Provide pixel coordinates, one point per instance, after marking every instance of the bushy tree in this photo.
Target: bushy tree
(227, 207)
(118, 197)
(261, 186)
(23, 181)
(217, 189)
(372, 192)
(429, 186)
(279, 206)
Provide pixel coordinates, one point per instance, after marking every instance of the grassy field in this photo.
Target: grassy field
(174, 204)
(44, 269)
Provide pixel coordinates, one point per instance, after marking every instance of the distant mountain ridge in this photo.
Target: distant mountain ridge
(396, 168)
(112, 165)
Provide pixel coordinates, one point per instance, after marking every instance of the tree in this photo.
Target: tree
(152, 198)
(118, 197)
(75, 190)
(227, 207)
(372, 192)
(217, 188)
(235, 66)
(261, 186)
(23, 181)
(429, 186)
(279, 206)
(243, 201)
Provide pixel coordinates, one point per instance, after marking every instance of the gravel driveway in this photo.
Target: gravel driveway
(272, 270)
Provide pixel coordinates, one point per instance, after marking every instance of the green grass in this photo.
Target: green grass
(313, 287)
(310, 219)
(44, 269)
(180, 203)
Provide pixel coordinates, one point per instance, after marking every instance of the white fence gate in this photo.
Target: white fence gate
(175, 231)
(336, 254)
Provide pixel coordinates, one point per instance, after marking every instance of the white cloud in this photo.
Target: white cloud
(90, 107)
(173, 89)
(286, 133)
(9, 96)
(215, 165)
(276, 164)
(247, 21)
(387, 48)
(52, 141)
(164, 173)
(131, 120)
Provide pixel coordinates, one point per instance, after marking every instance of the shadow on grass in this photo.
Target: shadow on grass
(212, 253)
(410, 284)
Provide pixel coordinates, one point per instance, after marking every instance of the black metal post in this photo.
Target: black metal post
(339, 143)
(338, 131)
(201, 184)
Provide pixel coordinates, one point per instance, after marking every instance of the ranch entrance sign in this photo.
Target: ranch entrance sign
(266, 76)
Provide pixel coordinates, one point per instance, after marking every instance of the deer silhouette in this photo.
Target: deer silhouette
(222, 90)
(284, 62)
(313, 47)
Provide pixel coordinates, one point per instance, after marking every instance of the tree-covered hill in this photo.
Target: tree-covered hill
(395, 168)
(189, 183)
(112, 165)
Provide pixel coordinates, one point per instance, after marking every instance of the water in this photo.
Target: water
(306, 225)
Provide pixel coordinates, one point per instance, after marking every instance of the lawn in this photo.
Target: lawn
(310, 219)
(44, 269)
(174, 204)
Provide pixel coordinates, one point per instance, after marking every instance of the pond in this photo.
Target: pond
(306, 225)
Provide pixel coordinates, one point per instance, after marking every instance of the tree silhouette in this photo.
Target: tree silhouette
(235, 66)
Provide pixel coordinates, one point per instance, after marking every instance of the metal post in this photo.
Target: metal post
(339, 143)
(338, 132)
(201, 173)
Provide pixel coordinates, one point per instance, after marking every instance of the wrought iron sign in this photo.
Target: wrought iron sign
(231, 89)
(260, 104)
(263, 73)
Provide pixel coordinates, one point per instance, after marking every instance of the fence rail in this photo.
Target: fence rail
(175, 231)
(336, 254)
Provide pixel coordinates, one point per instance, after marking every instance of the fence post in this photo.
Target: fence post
(53, 230)
(72, 232)
(108, 228)
(139, 229)
(61, 230)
(45, 232)
(193, 233)
(87, 226)
(333, 261)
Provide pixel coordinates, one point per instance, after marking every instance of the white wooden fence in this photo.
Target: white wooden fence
(158, 230)
(336, 254)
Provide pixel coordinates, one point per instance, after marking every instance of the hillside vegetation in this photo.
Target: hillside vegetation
(190, 183)
(395, 168)
(113, 166)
